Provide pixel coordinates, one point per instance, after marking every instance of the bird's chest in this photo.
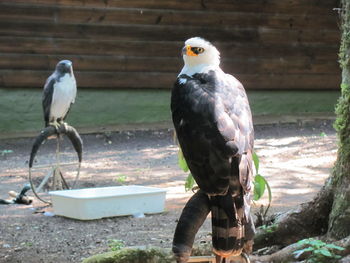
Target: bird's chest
(65, 88)
(63, 96)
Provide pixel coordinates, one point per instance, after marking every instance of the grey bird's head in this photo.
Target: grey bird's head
(64, 66)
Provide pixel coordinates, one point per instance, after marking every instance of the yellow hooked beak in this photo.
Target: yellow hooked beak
(187, 50)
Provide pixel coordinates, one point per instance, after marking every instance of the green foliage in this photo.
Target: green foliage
(323, 134)
(318, 251)
(260, 183)
(116, 244)
(182, 162)
(256, 162)
(5, 152)
(269, 228)
(121, 178)
(259, 186)
(190, 182)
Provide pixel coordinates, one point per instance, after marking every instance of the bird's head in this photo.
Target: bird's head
(64, 66)
(198, 51)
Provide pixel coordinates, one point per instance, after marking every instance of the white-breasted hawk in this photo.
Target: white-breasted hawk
(213, 123)
(59, 93)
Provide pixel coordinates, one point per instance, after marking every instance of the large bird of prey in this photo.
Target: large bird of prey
(213, 124)
(59, 93)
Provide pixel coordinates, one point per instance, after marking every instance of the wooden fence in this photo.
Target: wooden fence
(267, 44)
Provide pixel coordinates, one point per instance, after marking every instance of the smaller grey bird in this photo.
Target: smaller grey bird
(59, 94)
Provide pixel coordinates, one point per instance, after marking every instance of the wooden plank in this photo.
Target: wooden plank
(28, 78)
(114, 16)
(27, 12)
(296, 40)
(268, 6)
(282, 65)
(286, 64)
(263, 35)
(47, 45)
(60, 46)
(290, 81)
(166, 80)
(13, 61)
(92, 63)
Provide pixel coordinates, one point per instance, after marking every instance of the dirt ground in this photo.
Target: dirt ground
(294, 158)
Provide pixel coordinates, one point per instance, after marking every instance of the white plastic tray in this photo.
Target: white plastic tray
(95, 203)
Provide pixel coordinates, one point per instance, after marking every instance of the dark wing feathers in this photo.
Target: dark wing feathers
(47, 98)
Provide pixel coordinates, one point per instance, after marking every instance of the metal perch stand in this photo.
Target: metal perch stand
(54, 179)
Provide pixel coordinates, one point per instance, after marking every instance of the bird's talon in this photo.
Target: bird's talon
(55, 124)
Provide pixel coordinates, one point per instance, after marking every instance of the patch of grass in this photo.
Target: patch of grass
(27, 244)
(323, 134)
(116, 244)
(121, 178)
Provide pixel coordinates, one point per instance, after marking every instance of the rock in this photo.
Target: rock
(345, 260)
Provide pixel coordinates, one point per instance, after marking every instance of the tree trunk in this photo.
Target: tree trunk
(329, 212)
(339, 219)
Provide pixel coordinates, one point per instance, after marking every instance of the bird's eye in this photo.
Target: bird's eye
(198, 50)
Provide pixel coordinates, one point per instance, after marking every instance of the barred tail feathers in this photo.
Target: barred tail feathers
(227, 225)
